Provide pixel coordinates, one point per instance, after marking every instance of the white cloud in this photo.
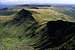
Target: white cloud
(36, 1)
(7, 0)
(13, 1)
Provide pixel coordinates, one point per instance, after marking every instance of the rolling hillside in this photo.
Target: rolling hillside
(26, 28)
(68, 11)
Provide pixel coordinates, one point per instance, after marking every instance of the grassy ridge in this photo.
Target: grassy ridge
(44, 15)
(13, 35)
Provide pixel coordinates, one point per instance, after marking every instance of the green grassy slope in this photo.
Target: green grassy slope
(67, 11)
(18, 34)
(44, 15)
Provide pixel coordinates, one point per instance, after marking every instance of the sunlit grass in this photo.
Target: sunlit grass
(12, 35)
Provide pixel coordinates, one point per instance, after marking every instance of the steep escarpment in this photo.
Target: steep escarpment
(58, 32)
(37, 28)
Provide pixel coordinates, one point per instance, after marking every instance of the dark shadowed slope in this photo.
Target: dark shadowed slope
(23, 16)
(37, 29)
(58, 32)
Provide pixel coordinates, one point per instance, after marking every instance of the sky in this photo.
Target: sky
(10, 2)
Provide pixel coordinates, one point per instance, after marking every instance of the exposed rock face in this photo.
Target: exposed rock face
(58, 32)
